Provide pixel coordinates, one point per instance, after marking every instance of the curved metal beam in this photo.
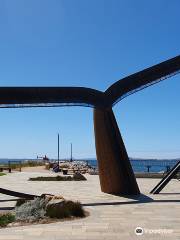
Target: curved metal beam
(17, 194)
(142, 79)
(51, 95)
(41, 96)
(118, 177)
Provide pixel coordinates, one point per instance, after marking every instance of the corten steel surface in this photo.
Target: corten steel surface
(167, 178)
(17, 194)
(116, 175)
(46, 95)
(115, 171)
(12, 96)
(142, 79)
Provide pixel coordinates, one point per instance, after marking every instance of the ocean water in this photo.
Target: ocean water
(138, 165)
(141, 165)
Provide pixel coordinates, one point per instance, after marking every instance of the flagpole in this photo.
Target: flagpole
(71, 153)
(58, 149)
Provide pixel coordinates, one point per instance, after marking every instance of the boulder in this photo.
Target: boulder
(55, 202)
(47, 197)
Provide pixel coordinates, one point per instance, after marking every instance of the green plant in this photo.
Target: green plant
(75, 208)
(76, 177)
(30, 163)
(57, 178)
(57, 211)
(20, 202)
(31, 210)
(2, 174)
(65, 209)
(5, 219)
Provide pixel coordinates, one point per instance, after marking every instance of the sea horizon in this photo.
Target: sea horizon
(138, 164)
(89, 158)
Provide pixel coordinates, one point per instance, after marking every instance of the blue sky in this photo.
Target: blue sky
(90, 44)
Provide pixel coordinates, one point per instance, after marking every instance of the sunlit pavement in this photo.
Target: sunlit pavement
(111, 217)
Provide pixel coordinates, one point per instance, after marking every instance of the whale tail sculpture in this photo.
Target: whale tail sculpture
(115, 171)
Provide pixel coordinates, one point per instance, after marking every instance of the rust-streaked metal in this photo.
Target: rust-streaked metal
(116, 175)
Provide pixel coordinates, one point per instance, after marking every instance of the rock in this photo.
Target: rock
(51, 199)
(44, 220)
(47, 197)
(57, 197)
(55, 200)
(10, 225)
(16, 224)
(47, 166)
(93, 172)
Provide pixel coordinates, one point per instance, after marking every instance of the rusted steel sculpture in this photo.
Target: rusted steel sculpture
(115, 171)
(17, 194)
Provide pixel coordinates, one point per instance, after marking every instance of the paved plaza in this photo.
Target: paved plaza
(111, 217)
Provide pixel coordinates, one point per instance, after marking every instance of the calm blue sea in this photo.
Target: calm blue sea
(138, 165)
(141, 165)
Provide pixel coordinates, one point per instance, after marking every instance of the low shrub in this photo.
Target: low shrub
(65, 209)
(5, 219)
(75, 208)
(30, 163)
(57, 178)
(57, 211)
(76, 177)
(79, 177)
(31, 210)
(2, 174)
(20, 202)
